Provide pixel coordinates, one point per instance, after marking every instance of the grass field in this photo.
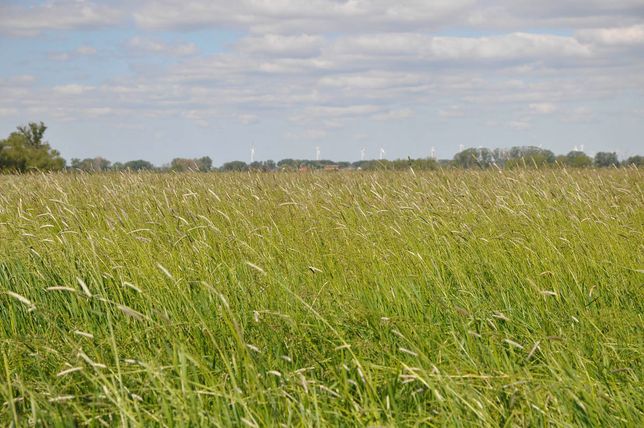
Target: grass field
(375, 299)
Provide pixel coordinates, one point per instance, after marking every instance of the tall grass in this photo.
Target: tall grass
(383, 299)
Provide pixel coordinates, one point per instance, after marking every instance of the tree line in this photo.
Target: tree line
(26, 150)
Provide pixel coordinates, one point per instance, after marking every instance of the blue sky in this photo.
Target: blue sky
(169, 78)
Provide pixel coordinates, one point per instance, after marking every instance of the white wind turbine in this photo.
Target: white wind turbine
(461, 148)
(433, 153)
(362, 153)
(252, 154)
(382, 153)
(317, 153)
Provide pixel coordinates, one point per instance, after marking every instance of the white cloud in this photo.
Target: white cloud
(520, 125)
(81, 51)
(180, 49)
(72, 89)
(298, 46)
(371, 80)
(59, 56)
(451, 112)
(8, 111)
(56, 15)
(543, 108)
(394, 114)
(248, 119)
(581, 114)
(508, 47)
(86, 50)
(307, 134)
(288, 16)
(620, 36)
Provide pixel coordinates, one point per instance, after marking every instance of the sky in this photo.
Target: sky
(158, 79)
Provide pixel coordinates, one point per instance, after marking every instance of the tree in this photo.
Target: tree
(470, 158)
(34, 133)
(96, 164)
(234, 166)
(138, 165)
(605, 159)
(263, 166)
(203, 164)
(529, 156)
(637, 161)
(578, 159)
(183, 165)
(25, 150)
(288, 164)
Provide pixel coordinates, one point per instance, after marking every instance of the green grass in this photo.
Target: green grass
(381, 299)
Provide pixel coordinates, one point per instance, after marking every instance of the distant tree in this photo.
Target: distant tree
(288, 164)
(637, 161)
(577, 159)
(529, 156)
(377, 165)
(96, 164)
(234, 166)
(473, 158)
(203, 164)
(183, 165)
(263, 166)
(25, 150)
(34, 133)
(424, 164)
(138, 165)
(606, 159)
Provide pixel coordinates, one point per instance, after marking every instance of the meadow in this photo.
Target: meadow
(487, 298)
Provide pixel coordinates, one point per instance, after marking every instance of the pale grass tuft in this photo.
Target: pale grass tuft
(253, 348)
(84, 334)
(328, 390)
(257, 268)
(132, 286)
(500, 316)
(407, 351)
(68, 371)
(61, 398)
(61, 288)
(513, 343)
(131, 312)
(165, 271)
(249, 423)
(21, 299)
(534, 349)
(84, 287)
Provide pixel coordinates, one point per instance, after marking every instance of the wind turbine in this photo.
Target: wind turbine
(461, 148)
(317, 153)
(362, 153)
(252, 154)
(382, 153)
(433, 153)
